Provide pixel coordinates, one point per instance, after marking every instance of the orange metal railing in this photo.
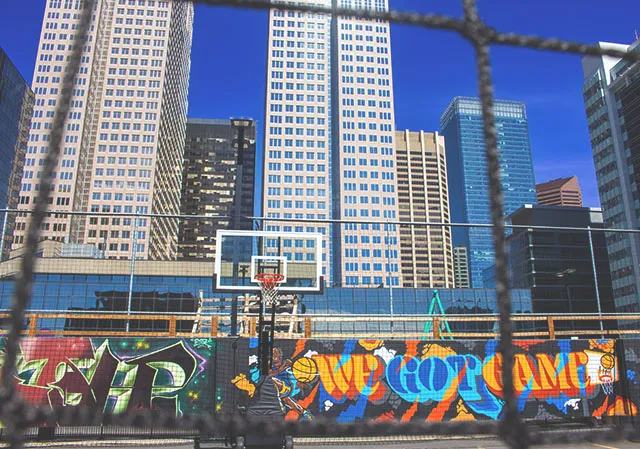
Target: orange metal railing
(331, 326)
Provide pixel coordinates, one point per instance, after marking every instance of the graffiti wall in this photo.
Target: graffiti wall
(117, 374)
(344, 380)
(405, 380)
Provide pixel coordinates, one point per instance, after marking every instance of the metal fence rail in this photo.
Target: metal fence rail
(16, 415)
(327, 326)
(582, 249)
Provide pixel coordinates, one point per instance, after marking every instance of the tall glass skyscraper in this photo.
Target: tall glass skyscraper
(462, 127)
(329, 151)
(611, 92)
(16, 108)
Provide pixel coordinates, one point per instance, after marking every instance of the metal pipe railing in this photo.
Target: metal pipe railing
(308, 325)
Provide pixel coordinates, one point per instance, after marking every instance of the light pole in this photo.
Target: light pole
(237, 221)
(241, 125)
(564, 276)
(595, 279)
(390, 273)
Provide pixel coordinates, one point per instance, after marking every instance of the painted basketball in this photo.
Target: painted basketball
(608, 361)
(304, 369)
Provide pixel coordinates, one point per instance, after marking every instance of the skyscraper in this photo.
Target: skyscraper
(329, 150)
(462, 127)
(611, 92)
(122, 147)
(218, 180)
(426, 258)
(16, 108)
(560, 192)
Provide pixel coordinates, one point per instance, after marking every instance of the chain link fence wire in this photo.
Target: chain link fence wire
(16, 415)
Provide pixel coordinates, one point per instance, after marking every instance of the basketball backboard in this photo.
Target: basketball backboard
(241, 255)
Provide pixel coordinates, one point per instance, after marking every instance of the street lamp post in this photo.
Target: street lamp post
(595, 279)
(564, 276)
(390, 273)
(241, 125)
(236, 215)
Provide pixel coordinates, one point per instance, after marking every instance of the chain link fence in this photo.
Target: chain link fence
(16, 415)
(553, 270)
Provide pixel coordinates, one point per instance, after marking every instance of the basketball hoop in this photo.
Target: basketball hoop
(269, 286)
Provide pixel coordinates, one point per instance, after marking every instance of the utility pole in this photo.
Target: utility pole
(389, 272)
(133, 268)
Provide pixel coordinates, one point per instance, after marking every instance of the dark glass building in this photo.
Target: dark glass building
(469, 202)
(557, 265)
(218, 181)
(16, 108)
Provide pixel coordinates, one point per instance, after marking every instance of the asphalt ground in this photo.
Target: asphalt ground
(470, 442)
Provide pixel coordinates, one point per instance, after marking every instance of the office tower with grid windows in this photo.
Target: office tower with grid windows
(218, 181)
(611, 92)
(329, 150)
(123, 143)
(463, 131)
(16, 108)
(426, 257)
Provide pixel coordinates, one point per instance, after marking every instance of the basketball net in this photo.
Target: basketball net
(607, 381)
(269, 283)
(605, 374)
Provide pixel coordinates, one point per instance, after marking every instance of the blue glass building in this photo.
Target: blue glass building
(168, 288)
(469, 202)
(16, 108)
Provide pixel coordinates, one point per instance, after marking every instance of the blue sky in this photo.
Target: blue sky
(430, 67)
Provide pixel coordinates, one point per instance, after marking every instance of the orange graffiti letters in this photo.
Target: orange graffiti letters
(359, 374)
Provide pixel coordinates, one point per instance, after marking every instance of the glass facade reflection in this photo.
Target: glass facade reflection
(557, 264)
(611, 91)
(16, 108)
(53, 292)
(406, 301)
(462, 127)
(110, 294)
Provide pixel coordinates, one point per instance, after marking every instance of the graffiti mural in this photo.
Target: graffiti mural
(343, 380)
(117, 375)
(349, 380)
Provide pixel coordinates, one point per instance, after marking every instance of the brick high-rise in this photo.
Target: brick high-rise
(560, 192)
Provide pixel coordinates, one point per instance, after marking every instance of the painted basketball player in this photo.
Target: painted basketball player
(283, 383)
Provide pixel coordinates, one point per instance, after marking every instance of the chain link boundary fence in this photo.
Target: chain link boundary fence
(16, 415)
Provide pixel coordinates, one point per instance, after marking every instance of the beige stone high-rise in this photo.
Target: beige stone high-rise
(123, 144)
(426, 255)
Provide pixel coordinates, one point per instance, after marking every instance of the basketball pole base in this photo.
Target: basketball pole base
(268, 294)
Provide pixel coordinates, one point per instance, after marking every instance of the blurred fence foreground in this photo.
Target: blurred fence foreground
(508, 422)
